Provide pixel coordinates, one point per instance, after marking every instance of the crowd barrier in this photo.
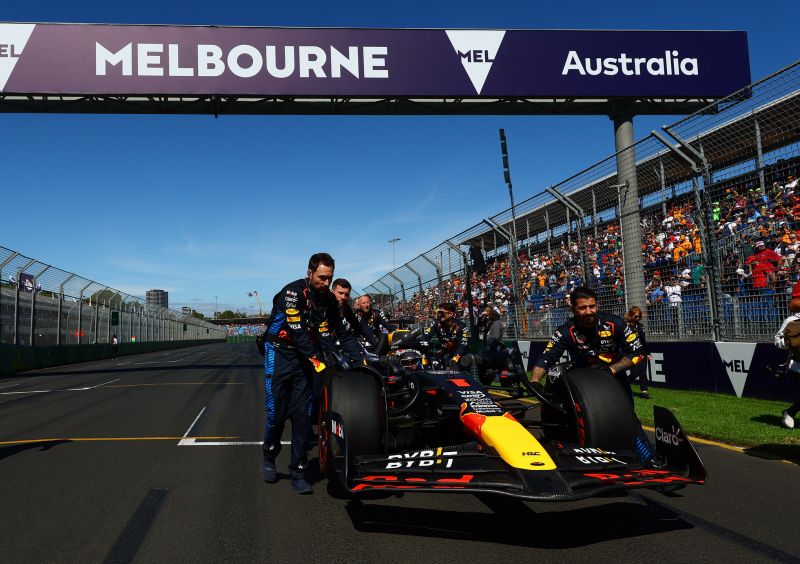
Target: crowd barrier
(733, 368)
(15, 358)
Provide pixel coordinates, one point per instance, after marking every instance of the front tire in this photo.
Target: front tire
(604, 416)
(352, 423)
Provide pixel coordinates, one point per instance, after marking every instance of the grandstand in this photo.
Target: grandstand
(711, 206)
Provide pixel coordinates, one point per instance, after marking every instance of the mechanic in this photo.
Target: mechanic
(373, 321)
(304, 314)
(492, 330)
(452, 334)
(788, 340)
(639, 371)
(597, 339)
(341, 289)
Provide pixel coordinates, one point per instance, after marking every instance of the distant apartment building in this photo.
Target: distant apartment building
(158, 297)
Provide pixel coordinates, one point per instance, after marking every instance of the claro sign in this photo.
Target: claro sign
(125, 59)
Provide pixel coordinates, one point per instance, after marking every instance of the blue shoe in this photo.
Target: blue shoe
(301, 486)
(268, 470)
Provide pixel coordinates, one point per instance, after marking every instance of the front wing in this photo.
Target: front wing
(580, 472)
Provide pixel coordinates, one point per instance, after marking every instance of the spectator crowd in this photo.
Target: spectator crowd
(756, 230)
(252, 330)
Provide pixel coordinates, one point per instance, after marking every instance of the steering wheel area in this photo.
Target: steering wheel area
(402, 391)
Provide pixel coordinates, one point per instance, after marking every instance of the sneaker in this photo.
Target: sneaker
(268, 470)
(645, 394)
(788, 420)
(301, 486)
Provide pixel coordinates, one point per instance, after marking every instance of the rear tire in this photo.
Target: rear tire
(604, 416)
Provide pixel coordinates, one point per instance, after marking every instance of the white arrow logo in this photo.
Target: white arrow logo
(477, 50)
(13, 38)
(737, 358)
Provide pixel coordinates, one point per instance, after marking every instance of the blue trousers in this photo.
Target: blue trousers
(288, 396)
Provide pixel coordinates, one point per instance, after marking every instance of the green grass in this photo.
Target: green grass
(751, 423)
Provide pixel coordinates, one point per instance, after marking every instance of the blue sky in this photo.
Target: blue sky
(206, 207)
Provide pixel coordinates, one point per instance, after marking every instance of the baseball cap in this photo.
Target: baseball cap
(759, 243)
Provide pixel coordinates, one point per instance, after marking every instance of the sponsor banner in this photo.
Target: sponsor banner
(296, 62)
(723, 367)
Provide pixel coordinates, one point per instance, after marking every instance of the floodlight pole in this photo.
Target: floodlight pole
(512, 240)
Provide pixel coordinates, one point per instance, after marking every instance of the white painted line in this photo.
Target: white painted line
(89, 387)
(153, 362)
(189, 430)
(193, 442)
(62, 390)
(11, 386)
(104, 383)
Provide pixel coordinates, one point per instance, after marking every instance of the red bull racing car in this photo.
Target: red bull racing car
(392, 427)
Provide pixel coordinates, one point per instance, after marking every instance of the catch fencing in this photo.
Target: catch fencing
(710, 189)
(41, 305)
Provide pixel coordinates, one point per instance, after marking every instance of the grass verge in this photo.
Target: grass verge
(751, 423)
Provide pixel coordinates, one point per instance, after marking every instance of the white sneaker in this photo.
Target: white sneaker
(788, 420)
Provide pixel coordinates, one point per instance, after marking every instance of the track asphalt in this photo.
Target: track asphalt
(155, 458)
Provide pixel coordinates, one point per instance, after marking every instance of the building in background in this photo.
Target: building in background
(158, 297)
(186, 310)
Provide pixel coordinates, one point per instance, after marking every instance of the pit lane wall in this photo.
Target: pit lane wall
(14, 358)
(722, 367)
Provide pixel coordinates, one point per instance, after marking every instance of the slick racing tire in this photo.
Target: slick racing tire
(604, 416)
(356, 401)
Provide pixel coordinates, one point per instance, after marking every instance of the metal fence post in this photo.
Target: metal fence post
(419, 279)
(402, 286)
(699, 165)
(2, 264)
(438, 278)
(32, 336)
(61, 306)
(16, 300)
(80, 313)
(390, 293)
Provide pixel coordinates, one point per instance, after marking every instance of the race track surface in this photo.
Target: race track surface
(155, 458)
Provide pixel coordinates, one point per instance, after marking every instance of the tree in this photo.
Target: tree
(198, 315)
(228, 314)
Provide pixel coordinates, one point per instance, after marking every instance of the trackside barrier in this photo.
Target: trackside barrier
(733, 368)
(15, 358)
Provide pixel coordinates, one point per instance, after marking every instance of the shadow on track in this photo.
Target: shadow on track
(775, 451)
(550, 529)
(11, 450)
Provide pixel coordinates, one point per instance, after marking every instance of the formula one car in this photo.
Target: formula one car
(392, 427)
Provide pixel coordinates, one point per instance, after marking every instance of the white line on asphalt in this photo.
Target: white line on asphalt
(192, 442)
(90, 387)
(62, 390)
(189, 430)
(150, 362)
(11, 386)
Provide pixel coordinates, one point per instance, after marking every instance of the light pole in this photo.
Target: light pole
(216, 307)
(394, 288)
(512, 246)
